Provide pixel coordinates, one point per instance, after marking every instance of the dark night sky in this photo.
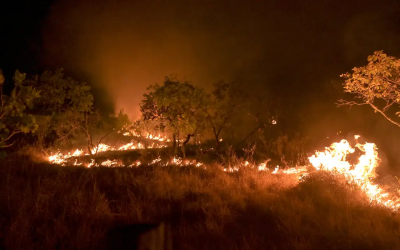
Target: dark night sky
(297, 48)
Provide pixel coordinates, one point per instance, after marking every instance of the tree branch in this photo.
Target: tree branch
(342, 102)
(351, 103)
(9, 137)
(97, 148)
(380, 111)
(388, 105)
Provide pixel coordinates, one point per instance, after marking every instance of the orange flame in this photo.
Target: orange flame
(334, 160)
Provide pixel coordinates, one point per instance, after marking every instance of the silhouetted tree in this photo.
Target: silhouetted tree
(226, 99)
(179, 106)
(377, 84)
(14, 116)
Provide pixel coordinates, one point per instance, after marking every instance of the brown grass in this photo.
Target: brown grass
(50, 207)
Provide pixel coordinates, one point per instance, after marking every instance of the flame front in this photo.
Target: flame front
(362, 173)
(333, 159)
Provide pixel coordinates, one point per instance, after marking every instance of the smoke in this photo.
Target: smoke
(124, 46)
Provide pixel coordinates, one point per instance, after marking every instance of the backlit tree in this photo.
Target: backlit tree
(177, 105)
(377, 85)
(14, 110)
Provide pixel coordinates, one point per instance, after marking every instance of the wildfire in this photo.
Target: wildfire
(59, 158)
(101, 148)
(362, 173)
(333, 159)
(62, 159)
(148, 136)
(109, 163)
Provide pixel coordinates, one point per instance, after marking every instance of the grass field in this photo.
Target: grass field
(50, 207)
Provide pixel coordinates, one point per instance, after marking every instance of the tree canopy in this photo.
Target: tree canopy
(179, 106)
(377, 84)
(14, 109)
(65, 106)
(226, 99)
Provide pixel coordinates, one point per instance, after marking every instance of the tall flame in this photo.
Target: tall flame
(362, 173)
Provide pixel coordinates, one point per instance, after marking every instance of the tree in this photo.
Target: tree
(377, 85)
(227, 98)
(179, 106)
(264, 110)
(14, 116)
(65, 107)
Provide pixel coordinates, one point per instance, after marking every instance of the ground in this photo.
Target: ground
(51, 207)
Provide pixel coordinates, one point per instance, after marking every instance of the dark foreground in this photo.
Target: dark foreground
(50, 207)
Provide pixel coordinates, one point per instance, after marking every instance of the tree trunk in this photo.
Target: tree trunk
(174, 140)
(178, 139)
(89, 143)
(184, 144)
(216, 141)
(252, 133)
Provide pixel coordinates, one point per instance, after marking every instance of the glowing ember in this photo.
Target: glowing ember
(91, 164)
(136, 164)
(155, 161)
(109, 163)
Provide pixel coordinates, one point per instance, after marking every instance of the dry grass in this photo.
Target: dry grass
(49, 207)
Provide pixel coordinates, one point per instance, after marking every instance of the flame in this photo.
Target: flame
(59, 158)
(62, 159)
(101, 148)
(155, 161)
(334, 160)
(149, 136)
(262, 167)
(91, 164)
(109, 163)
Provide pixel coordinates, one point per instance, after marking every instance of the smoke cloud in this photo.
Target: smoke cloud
(295, 48)
(126, 46)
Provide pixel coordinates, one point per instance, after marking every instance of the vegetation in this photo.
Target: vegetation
(227, 98)
(377, 85)
(51, 207)
(14, 110)
(179, 106)
(65, 108)
(48, 207)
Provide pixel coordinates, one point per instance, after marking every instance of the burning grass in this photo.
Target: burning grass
(48, 207)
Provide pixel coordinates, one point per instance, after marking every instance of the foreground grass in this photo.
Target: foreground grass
(50, 207)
